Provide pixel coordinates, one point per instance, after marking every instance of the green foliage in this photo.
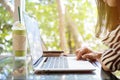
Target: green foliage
(5, 30)
(47, 17)
(83, 13)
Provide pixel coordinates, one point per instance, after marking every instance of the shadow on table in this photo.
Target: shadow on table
(108, 75)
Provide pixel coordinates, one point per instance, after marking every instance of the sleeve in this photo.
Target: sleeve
(111, 57)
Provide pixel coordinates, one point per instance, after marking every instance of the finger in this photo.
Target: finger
(88, 57)
(77, 51)
(82, 51)
(87, 50)
(79, 55)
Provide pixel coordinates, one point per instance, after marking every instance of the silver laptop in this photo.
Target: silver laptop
(50, 64)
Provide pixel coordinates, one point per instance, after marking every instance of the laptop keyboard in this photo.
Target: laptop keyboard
(56, 62)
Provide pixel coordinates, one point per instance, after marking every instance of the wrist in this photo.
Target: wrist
(98, 55)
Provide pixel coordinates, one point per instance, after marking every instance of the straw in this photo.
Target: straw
(19, 14)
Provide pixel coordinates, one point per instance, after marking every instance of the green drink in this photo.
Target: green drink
(19, 40)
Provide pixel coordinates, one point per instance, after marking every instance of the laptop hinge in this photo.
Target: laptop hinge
(39, 62)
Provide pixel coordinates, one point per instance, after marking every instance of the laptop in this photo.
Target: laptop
(43, 64)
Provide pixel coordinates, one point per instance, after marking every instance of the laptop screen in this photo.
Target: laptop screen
(33, 35)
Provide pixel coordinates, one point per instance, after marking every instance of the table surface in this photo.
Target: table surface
(98, 74)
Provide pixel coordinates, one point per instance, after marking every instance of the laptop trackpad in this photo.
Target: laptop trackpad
(79, 64)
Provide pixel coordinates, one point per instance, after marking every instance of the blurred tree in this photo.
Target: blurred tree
(9, 7)
(9, 12)
(61, 14)
(5, 30)
(80, 22)
(79, 17)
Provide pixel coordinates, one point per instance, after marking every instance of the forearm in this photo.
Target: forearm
(103, 66)
(98, 58)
